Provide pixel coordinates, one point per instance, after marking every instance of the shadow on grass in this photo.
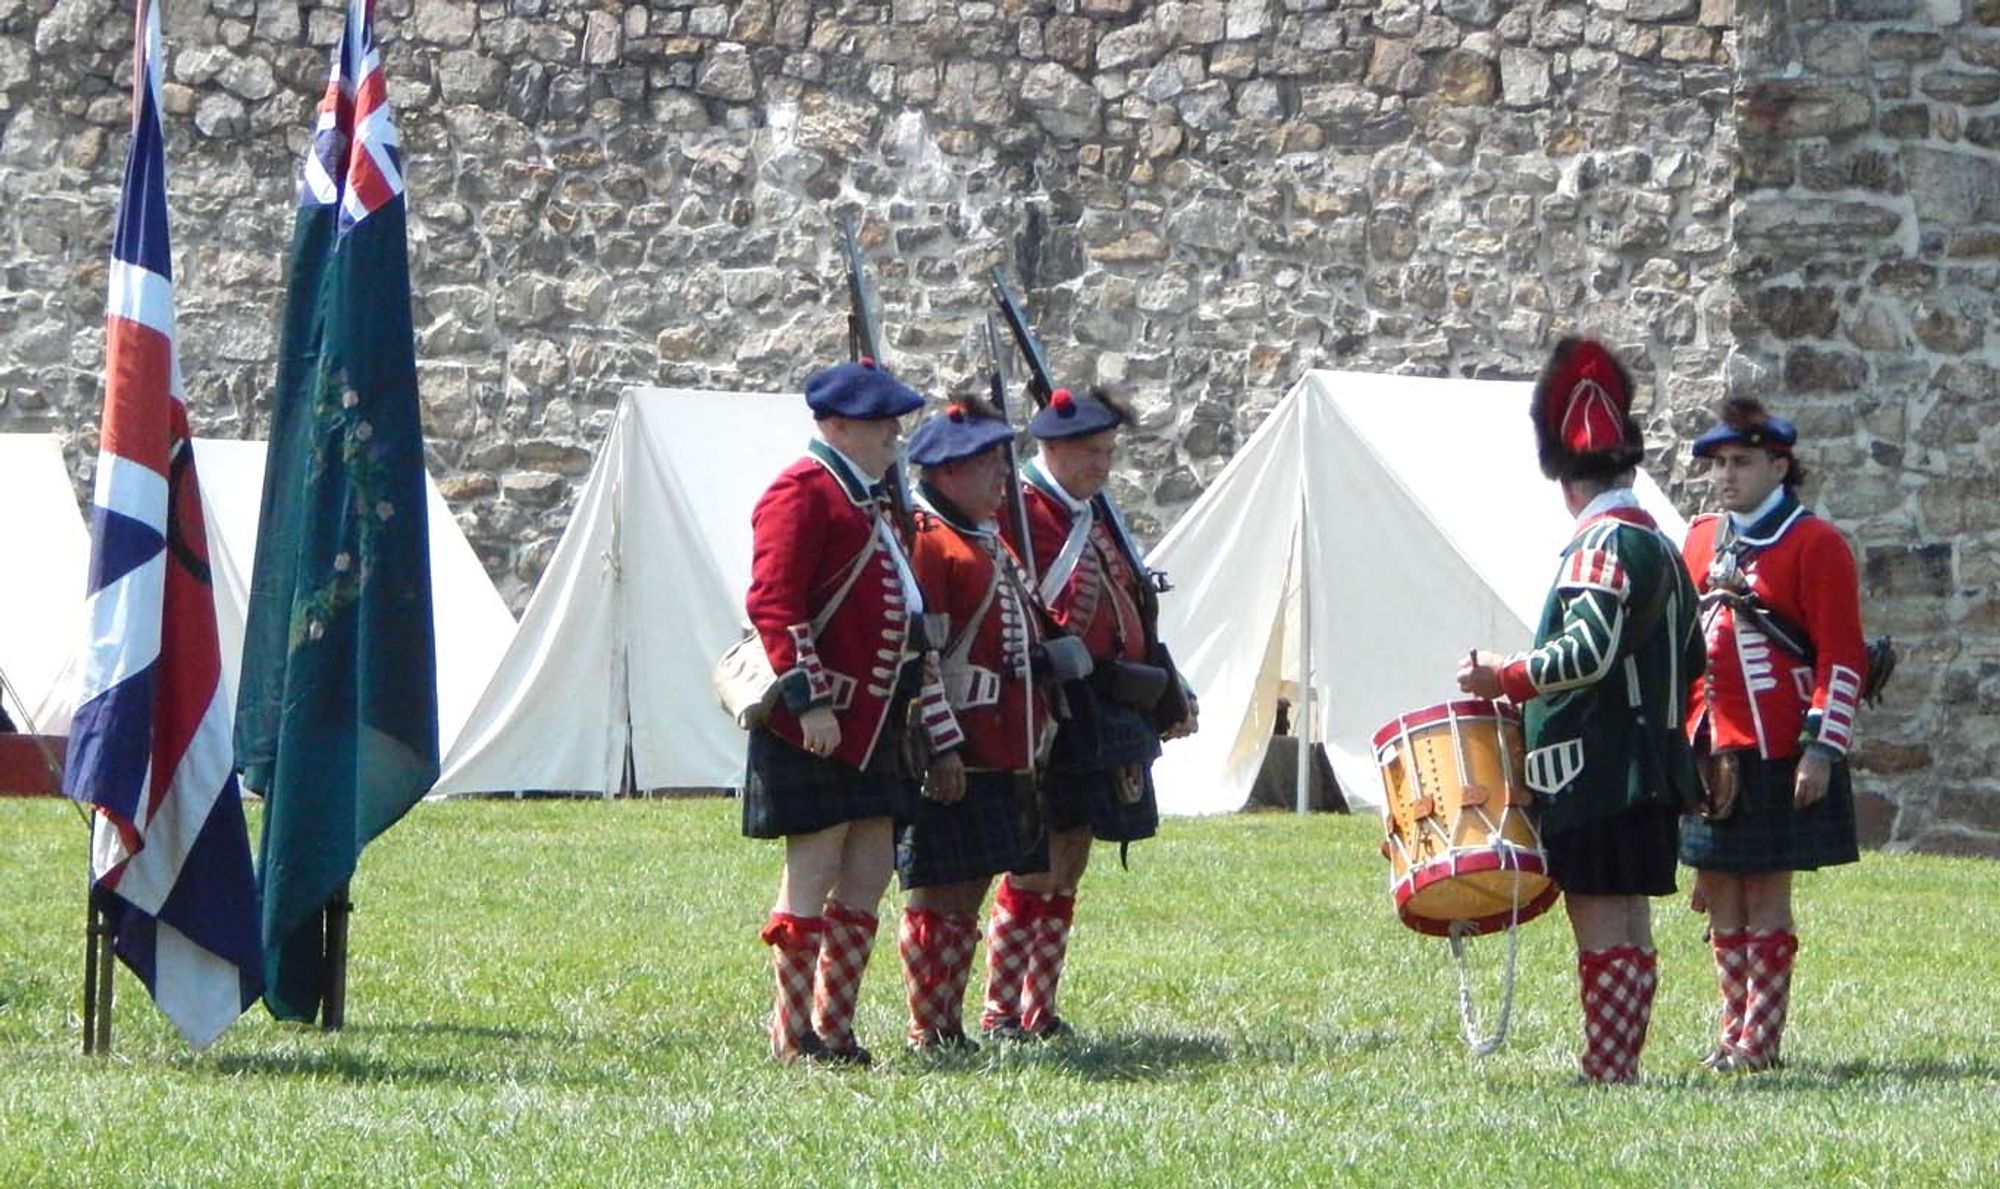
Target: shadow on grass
(351, 1056)
(348, 1066)
(1848, 1075)
(470, 1032)
(1119, 1057)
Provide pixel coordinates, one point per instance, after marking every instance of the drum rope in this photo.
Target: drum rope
(1468, 1018)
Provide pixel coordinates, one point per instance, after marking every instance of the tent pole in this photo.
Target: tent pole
(1302, 717)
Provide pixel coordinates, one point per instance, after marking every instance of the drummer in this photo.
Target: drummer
(1603, 691)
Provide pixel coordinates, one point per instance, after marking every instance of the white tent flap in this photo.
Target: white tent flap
(1430, 531)
(644, 592)
(46, 552)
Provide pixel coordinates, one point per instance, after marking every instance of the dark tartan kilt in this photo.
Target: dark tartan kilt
(991, 830)
(1627, 854)
(788, 790)
(1086, 775)
(1766, 833)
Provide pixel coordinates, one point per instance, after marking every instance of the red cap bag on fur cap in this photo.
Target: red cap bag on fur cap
(1583, 413)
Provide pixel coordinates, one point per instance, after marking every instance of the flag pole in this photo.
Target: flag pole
(333, 997)
(97, 973)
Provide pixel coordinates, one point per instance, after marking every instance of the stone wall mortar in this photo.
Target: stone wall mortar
(1201, 198)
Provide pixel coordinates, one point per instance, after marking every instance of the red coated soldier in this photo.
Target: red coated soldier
(1099, 783)
(836, 606)
(978, 816)
(1773, 722)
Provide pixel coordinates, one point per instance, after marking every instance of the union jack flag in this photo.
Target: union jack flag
(356, 157)
(150, 746)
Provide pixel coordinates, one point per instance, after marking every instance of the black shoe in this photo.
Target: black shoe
(1005, 1032)
(1056, 1028)
(853, 1055)
(944, 1042)
(810, 1049)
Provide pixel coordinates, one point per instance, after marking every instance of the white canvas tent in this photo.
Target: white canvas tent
(1411, 513)
(46, 552)
(473, 626)
(644, 592)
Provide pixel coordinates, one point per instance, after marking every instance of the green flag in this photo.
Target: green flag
(336, 717)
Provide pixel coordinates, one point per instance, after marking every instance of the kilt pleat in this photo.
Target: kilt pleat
(788, 790)
(985, 833)
(1627, 854)
(1766, 832)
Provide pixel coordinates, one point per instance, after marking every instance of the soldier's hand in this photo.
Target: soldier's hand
(821, 730)
(1189, 725)
(1479, 673)
(1815, 769)
(945, 780)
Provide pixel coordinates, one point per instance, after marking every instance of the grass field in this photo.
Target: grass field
(569, 993)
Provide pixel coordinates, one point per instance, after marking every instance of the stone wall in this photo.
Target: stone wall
(1204, 198)
(1867, 269)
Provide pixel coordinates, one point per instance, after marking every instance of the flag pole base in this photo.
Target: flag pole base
(333, 999)
(97, 985)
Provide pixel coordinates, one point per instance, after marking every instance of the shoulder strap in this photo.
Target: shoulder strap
(1646, 615)
(1057, 575)
(847, 582)
(961, 645)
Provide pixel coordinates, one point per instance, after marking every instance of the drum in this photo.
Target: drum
(1464, 854)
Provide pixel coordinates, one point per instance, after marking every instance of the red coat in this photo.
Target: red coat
(985, 657)
(811, 527)
(1757, 694)
(1100, 601)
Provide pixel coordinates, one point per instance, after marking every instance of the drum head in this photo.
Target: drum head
(1479, 891)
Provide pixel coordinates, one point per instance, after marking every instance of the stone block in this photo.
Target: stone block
(1061, 102)
(1808, 369)
(1833, 50)
(1793, 109)
(1952, 188)
(1908, 571)
(1789, 224)
(1137, 44)
(1138, 246)
(1875, 10)
(973, 93)
(1247, 19)
(465, 487)
(603, 38)
(1979, 49)
(1205, 108)
(1969, 88)
(1948, 327)
(1875, 327)
(1466, 78)
(443, 22)
(1795, 312)
(1524, 78)
(1661, 10)
(1479, 14)
(1905, 45)
(465, 76)
(1200, 22)
(726, 73)
(540, 489)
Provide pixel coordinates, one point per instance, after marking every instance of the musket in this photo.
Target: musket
(1017, 500)
(1017, 512)
(864, 343)
(1041, 378)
